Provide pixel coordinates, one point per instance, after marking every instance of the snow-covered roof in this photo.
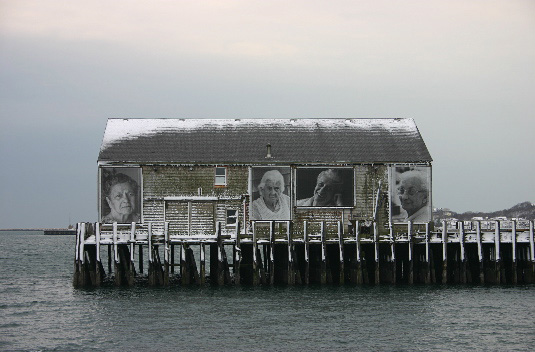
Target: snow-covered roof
(243, 141)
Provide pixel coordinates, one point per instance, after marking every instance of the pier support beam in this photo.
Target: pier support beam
(444, 252)
(341, 252)
(411, 252)
(480, 253)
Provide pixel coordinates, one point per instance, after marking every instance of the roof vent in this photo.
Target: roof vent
(268, 156)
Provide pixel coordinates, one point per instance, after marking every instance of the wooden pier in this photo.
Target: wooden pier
(284, 253)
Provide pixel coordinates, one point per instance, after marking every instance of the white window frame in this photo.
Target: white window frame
(216, 176)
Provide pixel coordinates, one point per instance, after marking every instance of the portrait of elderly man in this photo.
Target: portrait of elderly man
(413, 195)
(272, 204)
(120, 192)
(327, 192)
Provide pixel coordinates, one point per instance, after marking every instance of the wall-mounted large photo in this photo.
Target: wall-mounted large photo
(411, 193)
(120, 195)
(270, 192)
(325, 187)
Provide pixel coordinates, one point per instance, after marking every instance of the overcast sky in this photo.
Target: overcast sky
(464, 70)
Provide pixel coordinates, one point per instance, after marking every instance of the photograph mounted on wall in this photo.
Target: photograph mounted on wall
(120, 195)
(271, 193)
(325, 187)
(411, 199)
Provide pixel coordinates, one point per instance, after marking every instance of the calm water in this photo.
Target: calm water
(40, 311)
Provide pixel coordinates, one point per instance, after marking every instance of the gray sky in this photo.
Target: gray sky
(464, 70)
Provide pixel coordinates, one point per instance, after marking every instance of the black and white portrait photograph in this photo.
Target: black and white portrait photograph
(120, 195)
(411, 196)
(325, 187)
(271, 193)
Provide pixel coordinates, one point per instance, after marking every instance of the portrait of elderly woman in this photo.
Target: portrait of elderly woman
(411, 200)
(272, 201)
(120, 198)
(329, 187)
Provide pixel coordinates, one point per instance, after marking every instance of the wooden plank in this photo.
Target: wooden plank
(116, 268)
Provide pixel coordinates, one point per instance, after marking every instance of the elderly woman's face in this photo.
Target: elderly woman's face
(271, 192)
(324, 191)
(412, 194)
(122, 199)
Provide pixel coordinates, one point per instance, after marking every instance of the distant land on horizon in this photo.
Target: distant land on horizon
(525, 210)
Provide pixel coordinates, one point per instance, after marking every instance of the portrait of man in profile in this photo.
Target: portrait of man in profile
(411, 196)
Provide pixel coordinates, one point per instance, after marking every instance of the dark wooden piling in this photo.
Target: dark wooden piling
(323, 265)
(307, 253)
(496, 255)
(444, 252)
(237, 256)
(341, 276)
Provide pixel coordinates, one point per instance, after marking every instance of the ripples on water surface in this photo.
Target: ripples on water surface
(40, 311)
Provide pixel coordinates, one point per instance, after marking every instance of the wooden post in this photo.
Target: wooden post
(184, 270)
(376, 250)
(411, 248)
(307, 253)
(237, 255)
(480, 253)
(256, 279)
(392, 254)
(323, 271)
(220, 259)
(166, 253)
(202, 277)
(427, 260)
(98, 264)
(140, 251)
(532, 251)
(272, 252)
(172, 258)
(462, 253)
(116, 268)
(358, 258)
(513, 245)
(497, 252)
(341, 251)
(291, 266)
(151, 273)
(444, 252)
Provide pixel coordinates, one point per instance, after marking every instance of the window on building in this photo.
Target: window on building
(220, 176)
(232, 217)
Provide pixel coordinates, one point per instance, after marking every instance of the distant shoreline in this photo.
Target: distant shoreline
(55, 231)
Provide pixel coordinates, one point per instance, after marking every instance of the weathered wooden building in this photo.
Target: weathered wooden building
(196, 173)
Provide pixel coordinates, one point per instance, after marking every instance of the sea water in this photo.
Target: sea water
(41, 311)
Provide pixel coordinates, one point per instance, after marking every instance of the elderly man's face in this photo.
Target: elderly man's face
(271, 192)
(412, 194)
(324, 191)
(121, 199)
